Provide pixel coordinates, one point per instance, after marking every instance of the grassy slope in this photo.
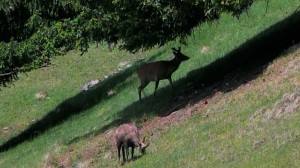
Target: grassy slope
(19, 107)
(63, 79)
(232, 131)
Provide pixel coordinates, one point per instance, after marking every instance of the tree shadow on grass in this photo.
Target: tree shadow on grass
(243, 64)
(75, 105)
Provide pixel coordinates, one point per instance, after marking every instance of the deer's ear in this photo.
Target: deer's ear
(175, 51)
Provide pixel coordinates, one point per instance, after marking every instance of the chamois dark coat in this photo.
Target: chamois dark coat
(127, 135)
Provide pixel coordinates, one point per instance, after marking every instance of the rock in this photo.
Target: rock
(90, 85)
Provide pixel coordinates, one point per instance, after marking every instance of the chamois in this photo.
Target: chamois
(127, 135)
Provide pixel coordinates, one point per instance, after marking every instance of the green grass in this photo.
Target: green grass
(228, 137)
(63, 79)
(217, 134)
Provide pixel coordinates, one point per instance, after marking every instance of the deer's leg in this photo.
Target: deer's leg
(170, 80)
(156, 86)
(141, 87)
(171, 83)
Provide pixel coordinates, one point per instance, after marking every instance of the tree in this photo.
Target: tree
(33, 31)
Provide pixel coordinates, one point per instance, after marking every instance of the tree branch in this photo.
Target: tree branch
(7, 74)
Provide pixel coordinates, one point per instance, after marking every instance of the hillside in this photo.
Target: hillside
(236, 102)
(254, 124)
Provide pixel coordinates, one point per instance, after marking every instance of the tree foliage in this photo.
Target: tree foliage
(33, 31)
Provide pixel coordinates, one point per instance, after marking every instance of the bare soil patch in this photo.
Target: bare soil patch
(192, 102)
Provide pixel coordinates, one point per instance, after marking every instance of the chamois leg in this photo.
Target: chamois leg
(141, 87)
(127, 152)
(123, 153)
(156, 86)
(119, 151)
(132, 152)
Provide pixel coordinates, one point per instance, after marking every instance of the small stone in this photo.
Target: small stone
(257, 144)
(41, 95)
(107, 156)
(204, 50)
(110, 93)
(5, 130)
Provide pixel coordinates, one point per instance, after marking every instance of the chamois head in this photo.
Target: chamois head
(143, 146)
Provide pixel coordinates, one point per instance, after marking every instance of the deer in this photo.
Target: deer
(126, 136)
(160, 70)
